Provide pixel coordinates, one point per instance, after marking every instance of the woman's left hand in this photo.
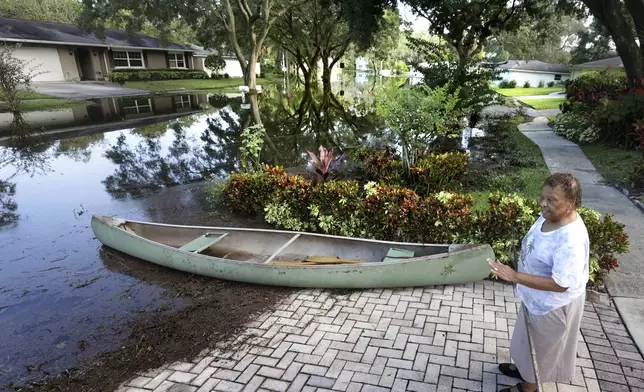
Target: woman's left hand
(502, 271)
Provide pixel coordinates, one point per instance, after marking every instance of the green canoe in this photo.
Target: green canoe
(282, 258)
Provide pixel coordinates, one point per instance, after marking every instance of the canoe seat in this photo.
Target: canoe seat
(395, 254)
(203, 242)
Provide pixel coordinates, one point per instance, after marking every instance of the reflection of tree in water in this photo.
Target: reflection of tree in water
(159, 129)
(293, 122)
(15, 160)
(8, 205)
(79, 148)
(303, 119)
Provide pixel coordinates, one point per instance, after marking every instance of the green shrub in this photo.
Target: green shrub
(437, 171)
(607, 240)
(526, 84)
(503, 225)
(576, 126)
(121, 76)
(508, 84)
(618, 118)
(591, 88)
(418, 115)
(379, 165)
(551, 84)
(541, 84)
(215, 63)
(336, 207)
(246, 193)
(398, 214)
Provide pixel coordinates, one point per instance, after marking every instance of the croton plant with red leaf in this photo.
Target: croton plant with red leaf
(325, 164)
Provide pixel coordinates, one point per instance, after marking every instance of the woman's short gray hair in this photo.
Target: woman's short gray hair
(569, 184)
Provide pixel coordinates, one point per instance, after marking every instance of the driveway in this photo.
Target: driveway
(85, 90)
(547, 96)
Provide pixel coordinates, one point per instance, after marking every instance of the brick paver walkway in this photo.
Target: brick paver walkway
(447, 338)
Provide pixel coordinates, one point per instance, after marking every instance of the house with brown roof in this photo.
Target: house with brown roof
(65, 52)
(534, 72)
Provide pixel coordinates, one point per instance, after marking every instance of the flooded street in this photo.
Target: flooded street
(61, 295)
(64, 298)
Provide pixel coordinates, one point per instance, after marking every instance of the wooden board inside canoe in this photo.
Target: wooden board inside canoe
(318, 260)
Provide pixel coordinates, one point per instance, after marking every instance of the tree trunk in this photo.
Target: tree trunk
(326, 77)
(636, 9)
(250, 77)
(611, 14)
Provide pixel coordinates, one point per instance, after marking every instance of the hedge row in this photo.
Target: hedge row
(384, 212)
(131, 75)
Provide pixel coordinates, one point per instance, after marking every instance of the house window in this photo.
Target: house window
(137, 106)
(128, 59)
(182, 101)
(177, 60)
(557, 77)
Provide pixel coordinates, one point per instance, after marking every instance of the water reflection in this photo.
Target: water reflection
(173, 154)
(106, 110)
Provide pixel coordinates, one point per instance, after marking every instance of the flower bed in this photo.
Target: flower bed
(396, 213)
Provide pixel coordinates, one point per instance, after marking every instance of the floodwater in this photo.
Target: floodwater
(110, 112)
(62, 296)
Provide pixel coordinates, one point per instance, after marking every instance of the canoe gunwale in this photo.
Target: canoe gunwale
(116, 223)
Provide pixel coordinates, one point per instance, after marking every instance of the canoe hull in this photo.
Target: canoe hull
(455, 267)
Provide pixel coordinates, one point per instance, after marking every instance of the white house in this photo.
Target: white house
(533, 71)
(233, 69)
(362, 64)
(64, 52)
(612, 65)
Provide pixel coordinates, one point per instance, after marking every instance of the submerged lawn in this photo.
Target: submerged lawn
(546, 103)
(28, 94)
(524, 177)
(220, 85)
(32, 101)
(522, 92)
(614, 164)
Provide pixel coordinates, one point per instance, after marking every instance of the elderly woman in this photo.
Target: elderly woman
(551, 282)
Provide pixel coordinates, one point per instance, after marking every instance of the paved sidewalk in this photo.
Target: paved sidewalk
(626, 284)
(447, 338)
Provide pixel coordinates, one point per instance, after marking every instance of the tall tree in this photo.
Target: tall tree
(319, 32)
(245, 23)
(386, 41)
(625, 22)
(467, 25)
(62, 11)
(594, 44)
(529, 42)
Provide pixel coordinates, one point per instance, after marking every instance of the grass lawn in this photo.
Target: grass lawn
(50, 104)
(525, 180)
(32, 101)
(546, 103)
(26, 94)
(522, 92)
(227, 85)
(614, 164)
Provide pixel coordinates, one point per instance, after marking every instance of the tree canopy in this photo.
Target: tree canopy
(594, 44)
(624, 21)
(552, 45)
(62, 11)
